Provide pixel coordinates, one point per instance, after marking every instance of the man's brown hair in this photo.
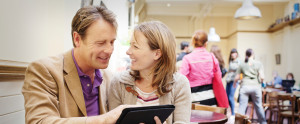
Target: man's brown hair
(87, 15)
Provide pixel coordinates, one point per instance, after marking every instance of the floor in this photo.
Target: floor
(254, 121)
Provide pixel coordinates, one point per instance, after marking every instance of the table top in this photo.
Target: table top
(207, 117)
(272, 90)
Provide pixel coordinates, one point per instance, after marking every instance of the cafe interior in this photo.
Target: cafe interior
(31, 30)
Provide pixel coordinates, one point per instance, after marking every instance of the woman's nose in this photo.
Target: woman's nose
(128, 52)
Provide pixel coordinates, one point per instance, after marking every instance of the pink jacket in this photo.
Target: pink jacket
(198, 67)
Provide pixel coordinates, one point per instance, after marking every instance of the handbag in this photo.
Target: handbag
(224, 71)
(218, 88)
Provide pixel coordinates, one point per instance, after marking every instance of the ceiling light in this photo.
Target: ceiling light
(247, 11)
(168, 4)
(212, 36)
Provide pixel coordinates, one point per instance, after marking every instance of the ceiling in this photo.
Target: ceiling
(196, 8)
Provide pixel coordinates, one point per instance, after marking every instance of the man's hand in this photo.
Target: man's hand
(109, 118)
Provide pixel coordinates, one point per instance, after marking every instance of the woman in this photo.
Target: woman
(233, 66)
(200, 67)
(252, 71)
(152, 78)
(290, 76)
(217, 52)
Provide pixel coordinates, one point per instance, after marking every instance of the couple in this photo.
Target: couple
(75, 87)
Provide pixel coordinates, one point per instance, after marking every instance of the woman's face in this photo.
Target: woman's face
(289, 77)
(142, 57)
(234, 55)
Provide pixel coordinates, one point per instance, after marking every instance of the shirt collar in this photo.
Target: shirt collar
(80, 73)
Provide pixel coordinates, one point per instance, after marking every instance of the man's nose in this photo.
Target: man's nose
(109, 48)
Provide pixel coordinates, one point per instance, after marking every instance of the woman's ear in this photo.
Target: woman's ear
(205, 45)
(157, 54)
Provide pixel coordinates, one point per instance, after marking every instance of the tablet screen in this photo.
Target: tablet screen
(145, 115)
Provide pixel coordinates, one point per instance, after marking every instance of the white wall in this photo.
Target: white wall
(120, 8)
(286, 43)
(35, 29)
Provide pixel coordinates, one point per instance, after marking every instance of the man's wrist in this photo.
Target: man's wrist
(95, 120)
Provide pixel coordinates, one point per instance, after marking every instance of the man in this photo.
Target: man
(72, 87)
(184, 46)
(276, 81)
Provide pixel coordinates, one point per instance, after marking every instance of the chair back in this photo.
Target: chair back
(298, 103)
(197, 106)
(286, 102)
(241, 119)
(272, 98)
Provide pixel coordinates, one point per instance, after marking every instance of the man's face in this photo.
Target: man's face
(97, 46)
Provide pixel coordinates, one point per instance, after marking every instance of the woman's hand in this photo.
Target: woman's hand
(157, 120)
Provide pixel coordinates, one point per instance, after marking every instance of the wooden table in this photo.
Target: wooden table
(207, 117)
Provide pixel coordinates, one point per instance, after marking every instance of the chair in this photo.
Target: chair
(197, 106)
(298, 103)
(286, 107)
(264, 100)
(241, 119)
(272, 98)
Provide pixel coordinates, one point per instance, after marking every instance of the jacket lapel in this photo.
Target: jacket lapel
(102, 94)
(73, 82)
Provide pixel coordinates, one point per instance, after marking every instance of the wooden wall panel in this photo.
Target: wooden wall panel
(13, 87)
(13, 118)
(11, 99)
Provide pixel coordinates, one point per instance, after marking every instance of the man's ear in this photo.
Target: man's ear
(157, 54)
(76, 39)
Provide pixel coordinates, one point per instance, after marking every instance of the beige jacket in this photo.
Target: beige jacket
(53, 93)
(180, 96)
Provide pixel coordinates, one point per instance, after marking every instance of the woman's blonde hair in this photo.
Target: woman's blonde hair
(160, 37)
(199, 38)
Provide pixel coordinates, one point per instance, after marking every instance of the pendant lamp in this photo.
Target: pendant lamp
(212, 36)
(247, 11)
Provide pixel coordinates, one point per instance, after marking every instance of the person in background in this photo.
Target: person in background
(252, 71)
(184, 47)
(200, 67)
(277, 80)
(234, 63)
(72, 87)
(290, 76)
(217, 52)
(152, 78)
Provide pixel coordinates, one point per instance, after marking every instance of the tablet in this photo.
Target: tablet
(145, 114)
